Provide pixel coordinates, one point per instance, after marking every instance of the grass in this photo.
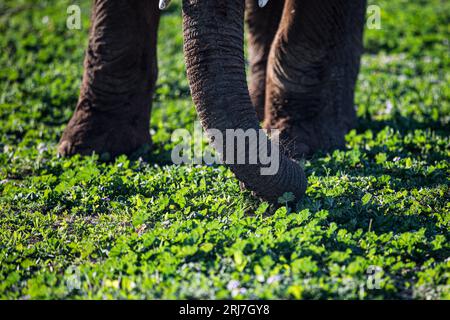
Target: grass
(374, 223)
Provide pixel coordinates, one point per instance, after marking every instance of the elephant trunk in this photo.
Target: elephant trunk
(214, 36)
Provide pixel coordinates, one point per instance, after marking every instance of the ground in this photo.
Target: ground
(374, 223)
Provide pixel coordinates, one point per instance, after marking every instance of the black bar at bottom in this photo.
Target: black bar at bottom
(218, 309)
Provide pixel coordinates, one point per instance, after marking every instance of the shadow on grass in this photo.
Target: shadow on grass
(402, 124)
(391, 214)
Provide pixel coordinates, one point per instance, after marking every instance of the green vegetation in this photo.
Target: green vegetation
(142, 228)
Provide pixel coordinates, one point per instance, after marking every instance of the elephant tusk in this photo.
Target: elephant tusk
(163, 4)
(262, 3)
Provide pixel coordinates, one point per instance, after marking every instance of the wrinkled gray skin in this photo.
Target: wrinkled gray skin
(304, 60)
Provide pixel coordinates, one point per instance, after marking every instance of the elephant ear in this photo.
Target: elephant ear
(214, 53)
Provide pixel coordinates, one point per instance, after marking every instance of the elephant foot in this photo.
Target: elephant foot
(104, 133)
(120, 70)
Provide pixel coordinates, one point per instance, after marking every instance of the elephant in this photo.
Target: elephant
(304, 60)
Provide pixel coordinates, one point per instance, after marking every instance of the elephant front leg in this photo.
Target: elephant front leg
(262, 26)
(113, 111)
(313, 67)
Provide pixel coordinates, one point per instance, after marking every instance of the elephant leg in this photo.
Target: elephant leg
(215, 65)
(120, 70)
(313, 67)
(262, 26)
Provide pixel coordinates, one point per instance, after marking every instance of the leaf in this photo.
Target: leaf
(258, 270)
(262, 208)
(286, 197)
(207, 247)
(239, 260)
(296, 291)
(366, 198)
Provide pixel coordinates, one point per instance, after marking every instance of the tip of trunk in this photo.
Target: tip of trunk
(213, 35)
